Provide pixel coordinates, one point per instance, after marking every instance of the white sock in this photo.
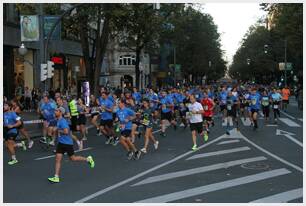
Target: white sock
(13, 157)
(56, 176)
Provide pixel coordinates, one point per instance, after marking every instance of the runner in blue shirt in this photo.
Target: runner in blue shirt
(276, 98)
(125, 117)
(222, 102)
(106, 122)
(166, 112)
(65, 145)
(10, 122)
(47, 109)
(136, 95)
(255, 100)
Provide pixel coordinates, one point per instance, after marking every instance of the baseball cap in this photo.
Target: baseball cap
(61, 109)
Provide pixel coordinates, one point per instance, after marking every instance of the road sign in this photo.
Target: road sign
(281, 66)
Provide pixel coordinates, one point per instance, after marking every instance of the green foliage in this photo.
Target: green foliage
(285, 23)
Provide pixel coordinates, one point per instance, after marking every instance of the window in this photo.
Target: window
(127, 60)
(11, 14)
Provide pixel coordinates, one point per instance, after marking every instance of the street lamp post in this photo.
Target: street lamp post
(285, 62)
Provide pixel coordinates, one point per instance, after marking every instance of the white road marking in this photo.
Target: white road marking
(215, 186)
(289, 136)
(282, 197)
(289, 122)
(272, 125)
(221, 152)
(228, 142)
(284, 113)
(105, 190)
(246, 122)
(193, 171)
(47, 157)
(272, 155)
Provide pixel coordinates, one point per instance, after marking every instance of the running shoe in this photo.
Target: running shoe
(54, 179)
(115, 141)
(205, 136)
(31, 143)
(43, 140)
(144, 150)
(130, 155)
(182, 125)
(12, 162)
(24, 147)
(194, 148)
(227, 132)
(139, 135)
(137, 155)
(91, 162)
(163, 134)
(84, 138)
(156, 145)
(52, 143)
(109, 140)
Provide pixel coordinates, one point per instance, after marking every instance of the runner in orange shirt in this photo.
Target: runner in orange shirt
(285, 94)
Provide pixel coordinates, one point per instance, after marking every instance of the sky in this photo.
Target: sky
(233, 21)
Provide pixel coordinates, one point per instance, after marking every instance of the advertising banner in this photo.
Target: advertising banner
(29, 27)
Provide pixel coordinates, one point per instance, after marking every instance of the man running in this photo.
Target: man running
(208, 106)
(276, 99)
(254, 99)
(125, 117)
(65, 144)
(196, 120)
(286, 95)
(10, 124)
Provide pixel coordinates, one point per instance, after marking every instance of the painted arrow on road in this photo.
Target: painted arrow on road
(289, 136)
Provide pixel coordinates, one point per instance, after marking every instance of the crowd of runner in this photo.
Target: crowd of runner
(125, 117)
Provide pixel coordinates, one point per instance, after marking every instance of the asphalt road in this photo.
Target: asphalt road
(263, 166)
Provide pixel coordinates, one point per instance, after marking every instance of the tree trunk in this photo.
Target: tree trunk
(101, 43)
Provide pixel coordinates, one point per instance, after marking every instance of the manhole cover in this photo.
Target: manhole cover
(255, 166)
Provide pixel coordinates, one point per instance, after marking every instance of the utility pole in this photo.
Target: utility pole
(41, 39)
(174, 62)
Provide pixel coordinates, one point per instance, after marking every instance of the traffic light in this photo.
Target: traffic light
(266, 48)
(43, 72)
(50, 69)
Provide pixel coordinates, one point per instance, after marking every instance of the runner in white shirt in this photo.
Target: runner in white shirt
(196, 120)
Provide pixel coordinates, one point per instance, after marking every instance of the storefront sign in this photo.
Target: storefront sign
(49, 21)
(29, 27)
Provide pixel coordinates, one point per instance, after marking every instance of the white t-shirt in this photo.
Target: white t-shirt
(195, 118)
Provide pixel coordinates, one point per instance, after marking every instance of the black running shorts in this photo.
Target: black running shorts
(63, 148)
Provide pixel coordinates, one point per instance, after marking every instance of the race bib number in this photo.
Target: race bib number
(229, 107)
(164, 106)
(205, 107)
(188, 115)
(253, 101)
(275, 106)
(122, 126)
(146, 122)
(265, 103)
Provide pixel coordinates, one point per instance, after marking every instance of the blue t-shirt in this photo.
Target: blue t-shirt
(180, 98)
(276, 96)
(106, 115)
(61, 125)
(255, 101)
(48, 110)
(10, 118)
(137, 97)
(153, 98)
(223, 97)
(165, 103)
(124, 114)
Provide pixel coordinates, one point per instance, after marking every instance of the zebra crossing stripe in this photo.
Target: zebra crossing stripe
(284, 113)
(225, 122)
(193, 171)
(238, 149)
(228, 142)
(282, 197)
(215, 186)
(289, 122)
(246, 122)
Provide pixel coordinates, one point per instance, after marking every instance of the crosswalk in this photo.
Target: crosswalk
(247, 122)
(224, 147)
